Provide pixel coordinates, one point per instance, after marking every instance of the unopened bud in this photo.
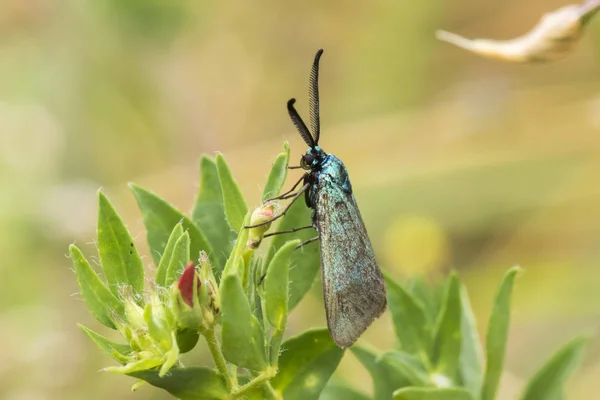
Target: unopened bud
(134, 314)
(212, 301)
(186, 284)
(260, 215)
(194, 299)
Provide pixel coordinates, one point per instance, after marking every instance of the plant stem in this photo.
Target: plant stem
(275, 346)
(217, 354)
(270, 393)
(261, 379)
(263, 309)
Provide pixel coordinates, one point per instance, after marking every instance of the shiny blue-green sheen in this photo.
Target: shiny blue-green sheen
(353, 286)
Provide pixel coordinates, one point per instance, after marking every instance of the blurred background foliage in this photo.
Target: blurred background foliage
(456, 161)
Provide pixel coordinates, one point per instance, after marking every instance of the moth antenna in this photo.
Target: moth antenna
(313, 98)
(300, 125)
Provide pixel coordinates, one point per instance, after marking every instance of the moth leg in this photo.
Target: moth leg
(289, 231)
(283, 196)
(306, 242)
(285, 210)
(294, 166)
(262, 278)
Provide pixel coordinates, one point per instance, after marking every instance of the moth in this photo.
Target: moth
(353, 285)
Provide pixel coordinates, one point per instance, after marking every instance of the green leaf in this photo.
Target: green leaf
(165, 259)
(448, 338)
(410, 321)
(426, 294)
(471, 357)
(278, 173)
(239, 249)
(340, 391)
(305, 365)
(305, 260)
(497, 335)
(386, 379)
(242, 335)
(407, 365)
(98, 299)
(233, 200)
(107, 346)
(549, 381)
(192, 383)
(160, 218)
(277, 283)
(120, 260)
(209, 213)
(187, 340)
(179, 259)
(418, 393)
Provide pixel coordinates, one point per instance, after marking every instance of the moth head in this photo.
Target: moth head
(312, 158)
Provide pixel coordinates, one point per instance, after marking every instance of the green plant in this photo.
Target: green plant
(440, 356)
(238, 295)
(222, 299)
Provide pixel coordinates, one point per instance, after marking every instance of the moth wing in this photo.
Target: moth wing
(353, 285)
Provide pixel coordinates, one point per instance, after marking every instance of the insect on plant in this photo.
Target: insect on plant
(353, 286)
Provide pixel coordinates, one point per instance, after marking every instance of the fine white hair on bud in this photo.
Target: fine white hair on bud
(553, 38)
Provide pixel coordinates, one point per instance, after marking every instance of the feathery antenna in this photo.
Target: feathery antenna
(300, 125)
(313, 98)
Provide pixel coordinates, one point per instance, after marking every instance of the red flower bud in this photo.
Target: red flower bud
(186, 284)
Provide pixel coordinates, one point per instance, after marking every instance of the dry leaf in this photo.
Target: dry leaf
(551, 39)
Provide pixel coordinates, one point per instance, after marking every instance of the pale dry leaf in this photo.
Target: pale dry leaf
(553, 38)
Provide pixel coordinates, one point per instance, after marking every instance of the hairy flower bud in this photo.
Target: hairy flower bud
(194, 299)
(150, 331)
(186, 284)
(212, 301)
(260, 215)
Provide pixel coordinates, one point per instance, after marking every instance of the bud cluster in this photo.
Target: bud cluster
(191, 303)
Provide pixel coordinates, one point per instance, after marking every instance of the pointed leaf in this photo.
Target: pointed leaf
(410, 321)
(305, 261)
(386, 379)
(242, 335)
(471, 356)
(165, 259)
(107, 346)
(277, 283)
(191, 383)
(120, 260)
(448, 338)
(98, 299)
(549, 381)
(305, 365)
(278, 174)
(407, 365)
(238, 250)
(233, 200)
(417, 393)
(209, 213)
(160, 218)
(427, 294)
(179, 259)
(497, 335)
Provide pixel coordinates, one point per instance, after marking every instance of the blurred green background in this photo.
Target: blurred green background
(457, 162)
